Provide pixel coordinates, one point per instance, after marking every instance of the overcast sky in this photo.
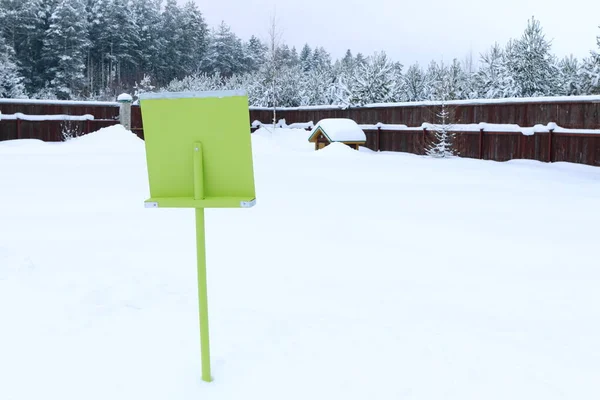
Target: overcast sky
(410, 31)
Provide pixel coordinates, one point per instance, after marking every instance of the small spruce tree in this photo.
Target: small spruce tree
(442, 145)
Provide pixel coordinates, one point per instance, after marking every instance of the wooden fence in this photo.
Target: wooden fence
(31, 124)
(576, 147)
(582, 112)
(578, 113)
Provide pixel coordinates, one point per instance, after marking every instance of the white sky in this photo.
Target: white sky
(410, 31)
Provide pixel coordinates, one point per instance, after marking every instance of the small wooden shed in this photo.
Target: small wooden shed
(341, 130)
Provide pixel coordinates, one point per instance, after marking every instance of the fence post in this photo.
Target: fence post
(379, 138)
(423, 137)
(125, 110)
(18, 128)
(550, 145)
(481, 144)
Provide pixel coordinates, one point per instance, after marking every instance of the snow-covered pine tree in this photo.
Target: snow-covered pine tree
(306, 56)
(150, 42)
(225, 52)
(21, 24)
(65, 47)
(591, 71)
(398, 89)
(113, 60)
(254, 54)
(289, 87)
(442, 145)
(489, 77)
(348, 62)
(171, 55)
(11, 82)
(374, 81)
(414, 83)
(530, 63)
(360, 59)
(570, 78)
(342, 86)
(343, 78)
(321, 58)
(294, 57)
(194, 41)
(284, 55)
(458, 81)
(435, 81)
(315, 87)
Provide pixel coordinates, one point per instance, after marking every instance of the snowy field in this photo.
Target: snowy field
(358, 275)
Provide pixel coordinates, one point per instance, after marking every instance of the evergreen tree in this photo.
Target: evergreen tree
(435, 81)
(321, 59)
(150, 42)
(316, 85)
(570, 77)
(443, 141)
(374, 81)
(65, 48)
(225, 53)
(398, 89)
(116, 51)
(458, 81)
(530, 63)
(306, 57)
(254, 54)
(194, 43)
(343, 86)
(490, 76)
(23, 24)
(289, 87)
(590, 79)
(360, 59)
(442, 145)
(414, 83)
(11, 82)
(284, 55)
(294, 57)
(170, 62)
(348, 62)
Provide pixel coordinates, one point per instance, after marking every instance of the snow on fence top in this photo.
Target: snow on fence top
(341, 130)
(539, 128)
(469, 102)
(53, 117)
(60, 102)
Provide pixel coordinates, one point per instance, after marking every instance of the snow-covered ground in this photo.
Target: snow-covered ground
(358, 275)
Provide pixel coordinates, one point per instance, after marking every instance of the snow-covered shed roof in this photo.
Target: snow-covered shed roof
(338, 130)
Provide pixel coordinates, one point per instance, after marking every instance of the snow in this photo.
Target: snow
(358, 275)
(124, 97)
(386, 127)
(538, 128)
(577, 131)
(52, 117)
(60, 102)
(341, 129)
